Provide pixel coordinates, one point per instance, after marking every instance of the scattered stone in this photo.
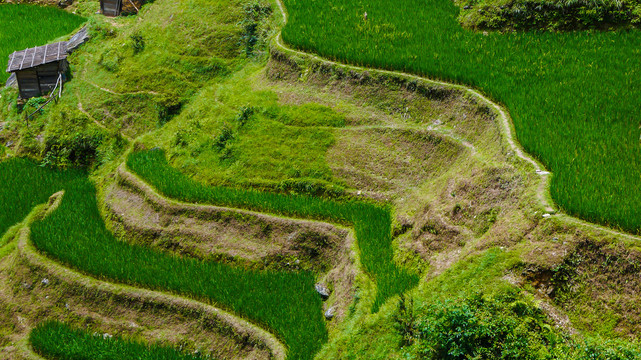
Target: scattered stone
(467, 7)
(107, 336)
(26, 286)
(330, 313)
(9, 143)
(67, 306)
(541, 172)
(322, 290)
(292, 236)
(546, 215)
(45, 281)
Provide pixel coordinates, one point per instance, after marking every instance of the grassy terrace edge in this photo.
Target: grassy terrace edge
(31, 254)
(372, 223)
(601, 198)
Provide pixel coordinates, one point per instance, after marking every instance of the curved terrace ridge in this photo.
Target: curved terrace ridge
(507, 128)
(28, 251)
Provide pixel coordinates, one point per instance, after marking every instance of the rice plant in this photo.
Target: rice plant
(372, 223)
(24, 184)
(284, 302)
(55, 340)
(23, 26)
(575, 98)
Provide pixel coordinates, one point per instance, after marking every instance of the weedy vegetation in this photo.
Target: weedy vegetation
(574, 97)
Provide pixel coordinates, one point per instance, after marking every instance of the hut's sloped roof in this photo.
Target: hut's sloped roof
(78, 39)
(37, 56)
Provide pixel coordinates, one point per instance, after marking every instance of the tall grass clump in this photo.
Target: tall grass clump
(55, 340)
(24, 26)
(575, 98)
(372, 223)
(284, 302)
(23, 185)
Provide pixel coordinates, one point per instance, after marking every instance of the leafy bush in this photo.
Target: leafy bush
(502, 326)
(70, 139)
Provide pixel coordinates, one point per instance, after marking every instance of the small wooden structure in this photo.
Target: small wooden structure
(38, 70)
(117, 7)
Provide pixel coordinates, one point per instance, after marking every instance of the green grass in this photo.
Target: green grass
(23, 185)
(372, 223)
(284, 302)
(574, 97)
(24, 26)
(257, 152)
(58, 341)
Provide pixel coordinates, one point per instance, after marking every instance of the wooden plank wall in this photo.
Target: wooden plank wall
(110, 7)
(28, 83)
(48, 76)
(40, 80)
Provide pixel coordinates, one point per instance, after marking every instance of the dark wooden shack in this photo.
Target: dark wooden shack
(38, 69)
(117, 7)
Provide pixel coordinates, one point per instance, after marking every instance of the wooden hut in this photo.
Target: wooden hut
(38, 69)
(117, 7)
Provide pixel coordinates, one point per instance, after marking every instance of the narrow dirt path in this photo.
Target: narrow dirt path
(119, 93)
(98, 123)
(543, 190)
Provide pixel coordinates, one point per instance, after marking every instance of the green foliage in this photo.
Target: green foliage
(244, 115)
(255, 13)
(372, 223)
(502, 326)
(404, 320)
(558, 87)
(70, 139)
(137, 42)
(284, 302)
(21, 28)
(55, 340)
(549, 15)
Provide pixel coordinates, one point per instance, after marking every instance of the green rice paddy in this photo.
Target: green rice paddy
(575, 98)
(55, 340)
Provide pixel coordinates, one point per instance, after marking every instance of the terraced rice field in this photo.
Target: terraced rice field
(58, 341)
(574, 97)
(24, 185)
